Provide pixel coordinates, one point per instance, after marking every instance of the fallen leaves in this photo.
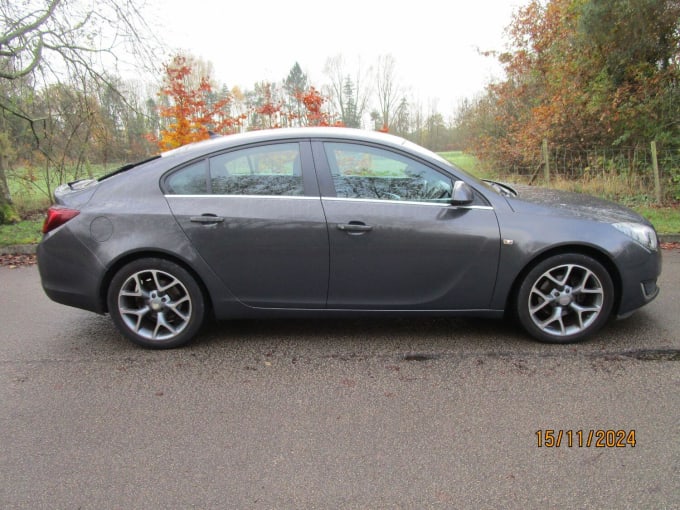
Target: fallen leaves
(15, 261)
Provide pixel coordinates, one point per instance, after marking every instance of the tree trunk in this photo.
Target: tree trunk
(8, 213)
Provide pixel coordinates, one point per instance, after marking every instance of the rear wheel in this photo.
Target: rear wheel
(156, 303)
(565, 298)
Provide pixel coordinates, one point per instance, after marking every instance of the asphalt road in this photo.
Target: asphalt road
(335, 414)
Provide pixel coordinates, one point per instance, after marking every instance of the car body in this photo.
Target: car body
(332, 221)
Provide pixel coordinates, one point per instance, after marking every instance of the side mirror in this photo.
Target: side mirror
(462, 194)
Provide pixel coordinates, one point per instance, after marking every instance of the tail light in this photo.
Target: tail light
(57, 215)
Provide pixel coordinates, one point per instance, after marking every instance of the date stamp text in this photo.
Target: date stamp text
(549, 438)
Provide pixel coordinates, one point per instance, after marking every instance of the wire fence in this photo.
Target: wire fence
(644, 172)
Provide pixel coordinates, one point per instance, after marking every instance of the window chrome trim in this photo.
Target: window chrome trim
(210, 195)
(408, 202)
(340, 199)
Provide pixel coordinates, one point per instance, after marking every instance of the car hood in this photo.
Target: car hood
(531, 199)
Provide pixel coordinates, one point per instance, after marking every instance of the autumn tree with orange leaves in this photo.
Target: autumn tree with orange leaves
(313, 102)
(268, 112)
(192, 110)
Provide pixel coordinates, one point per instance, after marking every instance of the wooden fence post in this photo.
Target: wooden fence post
(657, 180)
(546, 162)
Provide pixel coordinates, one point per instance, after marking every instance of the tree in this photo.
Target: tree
(387, 89)
(44, 42)
(349, 95)
(351, 116)
(632, 35)
(191, 110)
(119, 123)
(295, 83)
(637, 46)
(401, 124)
(7, 212)
(582, 73)
(267, 110)
(72, 115)
(315, 114)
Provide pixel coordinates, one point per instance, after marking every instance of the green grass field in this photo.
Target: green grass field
(666, 220)
(465, 161)
(24, 232)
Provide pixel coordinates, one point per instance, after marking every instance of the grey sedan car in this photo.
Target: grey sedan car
(318, 222)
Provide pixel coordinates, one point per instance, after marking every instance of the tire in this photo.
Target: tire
(565, 298)
(156, 303)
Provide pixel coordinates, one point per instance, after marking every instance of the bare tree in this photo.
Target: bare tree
(43, 42)
(349, 95)
(387, 89)
(55, 36)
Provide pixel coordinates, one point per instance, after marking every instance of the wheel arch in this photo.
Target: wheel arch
(600, 256)
(143, 254)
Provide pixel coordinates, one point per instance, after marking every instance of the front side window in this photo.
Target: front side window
(263, 170)
(361, 171)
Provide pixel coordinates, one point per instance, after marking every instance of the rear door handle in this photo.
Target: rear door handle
(354, 227)
(207, 219)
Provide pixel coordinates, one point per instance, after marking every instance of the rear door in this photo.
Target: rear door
(396, 242)
(254, 214)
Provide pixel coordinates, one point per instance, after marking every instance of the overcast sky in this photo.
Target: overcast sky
(435, 43)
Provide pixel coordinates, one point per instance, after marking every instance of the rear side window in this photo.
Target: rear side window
(190, 180)
(262, 170)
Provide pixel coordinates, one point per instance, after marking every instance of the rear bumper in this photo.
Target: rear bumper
(70, 274)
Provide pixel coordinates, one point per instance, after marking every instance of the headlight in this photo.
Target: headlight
(640, 233)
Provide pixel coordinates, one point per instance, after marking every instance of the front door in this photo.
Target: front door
(396, 242)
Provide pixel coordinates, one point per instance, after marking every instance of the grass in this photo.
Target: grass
(465, 161)
(24, 232)
(666, 220)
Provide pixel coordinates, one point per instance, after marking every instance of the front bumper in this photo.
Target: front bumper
(639, 276)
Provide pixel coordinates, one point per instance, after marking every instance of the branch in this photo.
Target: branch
(6, 39)
(37, 56)
(31, 122)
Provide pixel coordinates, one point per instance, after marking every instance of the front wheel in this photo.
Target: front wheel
(156, 303)
(565, 298)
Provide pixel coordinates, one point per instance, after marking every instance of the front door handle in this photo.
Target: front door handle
(355, 227)
(207, 219)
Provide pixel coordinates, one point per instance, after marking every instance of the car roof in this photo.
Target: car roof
(220, 142)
